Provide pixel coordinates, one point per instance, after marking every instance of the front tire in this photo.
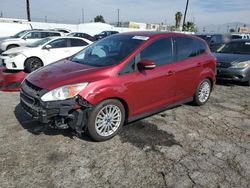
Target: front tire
(202, 93)
(247, 83)
(106, 120)
(32, 64)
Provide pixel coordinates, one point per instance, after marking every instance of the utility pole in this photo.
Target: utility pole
(118, 17)
(82, 15)
(45, 19)
(1, 14)
(28, 10)
(184, 20)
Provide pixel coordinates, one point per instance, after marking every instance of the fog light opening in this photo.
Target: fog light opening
(13, 65)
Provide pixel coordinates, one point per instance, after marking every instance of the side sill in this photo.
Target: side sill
(147, 114)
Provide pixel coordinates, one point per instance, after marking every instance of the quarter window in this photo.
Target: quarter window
(160, 51)
(129, 67)
(200, 46)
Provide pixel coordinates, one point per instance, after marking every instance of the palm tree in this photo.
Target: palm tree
(28, 10)
(178, 17)
(185, 14)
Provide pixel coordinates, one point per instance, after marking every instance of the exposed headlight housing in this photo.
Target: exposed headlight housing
(241, 65)
(13, 55)
(64, 92)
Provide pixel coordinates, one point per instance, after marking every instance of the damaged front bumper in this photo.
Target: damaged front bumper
(71, 111)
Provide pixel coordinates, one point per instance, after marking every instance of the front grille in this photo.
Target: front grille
(224, 64)
(32, 86)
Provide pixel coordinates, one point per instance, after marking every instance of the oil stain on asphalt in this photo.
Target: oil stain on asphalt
(143, 134)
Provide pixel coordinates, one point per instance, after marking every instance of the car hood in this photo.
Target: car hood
(229, 58)
(4, 38)
(16, 50)
(66, 72)
(11, 40)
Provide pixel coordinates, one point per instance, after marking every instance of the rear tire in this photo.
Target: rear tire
(202, 93)
(106, 120)
(32, 64)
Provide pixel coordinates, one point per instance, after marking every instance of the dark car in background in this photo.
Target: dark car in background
(82, 35)
(233, 61)
(118, 80)
(215, 41)
(105, 34)
(206, 37)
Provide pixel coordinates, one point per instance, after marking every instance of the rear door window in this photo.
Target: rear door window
(59, 43)
(52, 34)
(160, 51)
(77, 42)
(185, 48)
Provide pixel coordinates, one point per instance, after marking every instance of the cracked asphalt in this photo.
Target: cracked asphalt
(186, 146)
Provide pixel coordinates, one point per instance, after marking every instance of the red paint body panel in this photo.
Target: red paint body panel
(142, 91)
(11, 81)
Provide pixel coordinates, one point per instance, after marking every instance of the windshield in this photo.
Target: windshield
(39, 42)
(235, 48)
(18, 35)
(109, 51)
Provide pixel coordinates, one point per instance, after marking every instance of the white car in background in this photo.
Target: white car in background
(42, 52)
(26, 37)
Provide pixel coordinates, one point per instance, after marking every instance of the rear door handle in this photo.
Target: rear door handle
(170, 73)
(199, 64)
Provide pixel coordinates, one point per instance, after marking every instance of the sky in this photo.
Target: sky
(202, 12)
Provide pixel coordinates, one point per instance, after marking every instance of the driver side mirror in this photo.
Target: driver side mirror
(146, 65)
(47, 47)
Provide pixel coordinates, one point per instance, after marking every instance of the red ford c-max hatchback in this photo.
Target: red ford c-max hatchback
(120, 79)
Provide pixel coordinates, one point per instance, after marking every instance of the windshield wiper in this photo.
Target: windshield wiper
(76, 61)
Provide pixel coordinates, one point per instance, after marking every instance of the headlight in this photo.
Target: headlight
(241, 65)
(64, 92)
(13, 55)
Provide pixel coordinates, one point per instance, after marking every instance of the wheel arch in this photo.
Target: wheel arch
(209, 74)
(12, 45)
